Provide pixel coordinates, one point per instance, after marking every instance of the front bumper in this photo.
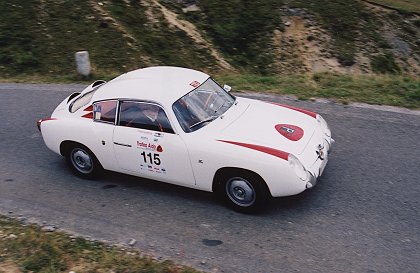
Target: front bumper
(319, 166)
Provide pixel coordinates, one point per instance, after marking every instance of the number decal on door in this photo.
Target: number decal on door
(151, 158)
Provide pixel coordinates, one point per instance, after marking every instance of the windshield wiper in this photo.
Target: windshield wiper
(221, 105)
(202, 121)
(218, 108)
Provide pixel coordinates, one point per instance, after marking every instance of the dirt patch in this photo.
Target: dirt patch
(401, 35)
(9, 267)
(303, 47)
(192, 31)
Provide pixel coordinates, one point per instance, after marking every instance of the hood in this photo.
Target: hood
(280, 127)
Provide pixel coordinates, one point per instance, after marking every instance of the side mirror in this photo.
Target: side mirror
(227, 88)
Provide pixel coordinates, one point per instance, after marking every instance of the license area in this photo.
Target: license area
(323, 164)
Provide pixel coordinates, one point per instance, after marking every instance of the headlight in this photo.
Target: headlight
(324, 125)
(298, 168)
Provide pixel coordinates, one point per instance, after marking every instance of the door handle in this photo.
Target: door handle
(121, 144)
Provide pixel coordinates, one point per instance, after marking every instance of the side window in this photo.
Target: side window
(105, 111)
(144, 116)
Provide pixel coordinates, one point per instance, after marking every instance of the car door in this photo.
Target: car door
(104, 116)
(149, 150)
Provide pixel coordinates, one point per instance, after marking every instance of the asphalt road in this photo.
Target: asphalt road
(363, 215)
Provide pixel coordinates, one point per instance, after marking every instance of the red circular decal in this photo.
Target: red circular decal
(291, 132)
(159, 149)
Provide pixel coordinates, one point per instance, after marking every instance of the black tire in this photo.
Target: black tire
(83, 162)
(244, 191)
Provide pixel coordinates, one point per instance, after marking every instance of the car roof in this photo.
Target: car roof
(162, 84)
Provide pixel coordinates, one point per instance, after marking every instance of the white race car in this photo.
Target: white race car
(179, 126)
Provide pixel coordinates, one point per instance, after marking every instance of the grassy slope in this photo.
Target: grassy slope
(351, 27)
(394, 90)
(163, 44)
(404, 5)
(36, 251)
(41, 37)
(242, 30)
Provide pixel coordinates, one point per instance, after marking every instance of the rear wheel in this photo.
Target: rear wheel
(244, 191)
(83, 162)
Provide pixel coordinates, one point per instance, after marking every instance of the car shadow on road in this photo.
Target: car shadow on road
(112, 181)
(292, 204)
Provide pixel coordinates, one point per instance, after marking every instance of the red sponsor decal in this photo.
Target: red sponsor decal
(195, 84)
(291, 132)
(307, 112)
(149, 146)
(267, 150)
(159, 149)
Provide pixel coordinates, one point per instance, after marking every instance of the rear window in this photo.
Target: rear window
(81, 101)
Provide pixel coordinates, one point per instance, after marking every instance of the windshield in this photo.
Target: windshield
(202, 105)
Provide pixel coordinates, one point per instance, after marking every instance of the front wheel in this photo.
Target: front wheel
(244, 192)
(83, 162)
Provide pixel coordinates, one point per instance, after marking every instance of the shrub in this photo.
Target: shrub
(243, 29)
(384, 64)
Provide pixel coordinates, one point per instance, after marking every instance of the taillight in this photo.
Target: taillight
(38, 123)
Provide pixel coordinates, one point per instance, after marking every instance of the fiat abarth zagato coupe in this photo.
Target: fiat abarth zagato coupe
(179, 126)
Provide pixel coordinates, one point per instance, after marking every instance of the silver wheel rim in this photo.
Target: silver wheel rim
(81, 160)
(240, 192)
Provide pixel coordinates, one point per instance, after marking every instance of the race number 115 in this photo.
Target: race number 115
(152, 158)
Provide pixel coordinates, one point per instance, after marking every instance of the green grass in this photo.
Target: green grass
(36, 251)
(59, 78)
(403, 5)
(396, 90)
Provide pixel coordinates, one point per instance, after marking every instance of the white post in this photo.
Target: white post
(83, 63)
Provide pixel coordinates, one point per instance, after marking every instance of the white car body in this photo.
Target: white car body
(279, 143)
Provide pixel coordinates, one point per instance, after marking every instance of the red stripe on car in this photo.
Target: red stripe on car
(88, 115)
(38, 123)
(89, 108)
(307, 112)
(267, 150)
